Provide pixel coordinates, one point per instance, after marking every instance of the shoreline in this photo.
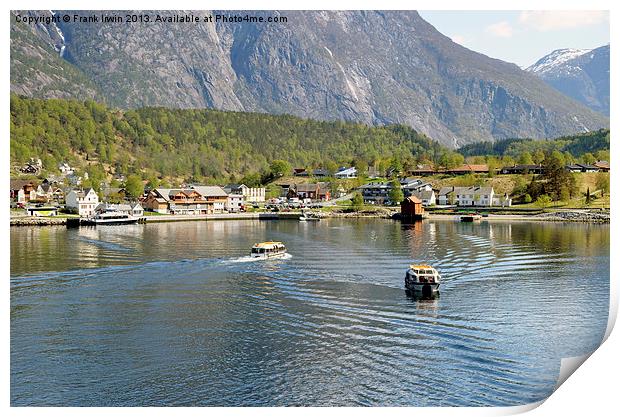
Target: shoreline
(573, 216)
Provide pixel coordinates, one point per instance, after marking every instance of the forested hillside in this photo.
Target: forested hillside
(596, 142)
(205, 145)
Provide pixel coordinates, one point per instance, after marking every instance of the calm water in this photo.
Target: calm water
(176, 314)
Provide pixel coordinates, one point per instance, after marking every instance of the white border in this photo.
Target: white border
(593, 390)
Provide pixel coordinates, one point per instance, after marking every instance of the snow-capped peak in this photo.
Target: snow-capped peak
(555, 59)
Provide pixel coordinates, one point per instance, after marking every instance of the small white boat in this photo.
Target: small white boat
(268, 250)
(421, 278)
(110, 217)
(306, 218)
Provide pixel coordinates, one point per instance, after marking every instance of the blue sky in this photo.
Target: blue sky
(522, 37)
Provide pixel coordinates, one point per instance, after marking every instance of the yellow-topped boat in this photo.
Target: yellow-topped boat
(268, 250)
(422, 278)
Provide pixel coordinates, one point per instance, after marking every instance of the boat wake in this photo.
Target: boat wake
(243, 259)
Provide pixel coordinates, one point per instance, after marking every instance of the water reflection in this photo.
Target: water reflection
(174, 314)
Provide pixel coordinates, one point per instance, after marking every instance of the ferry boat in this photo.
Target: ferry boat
(423, 279)
(268, 250)
(110, 217)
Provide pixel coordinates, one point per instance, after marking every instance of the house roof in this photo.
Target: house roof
(522, 167)
(588, 166)
(210, 190)
(304, 188)
(349, 170)
(423, 194)
(465, 190)
(378, 185)
(19, 184)
(46, 187)
(601, 164)
(471, 167)
(407, 181)
(413, 199)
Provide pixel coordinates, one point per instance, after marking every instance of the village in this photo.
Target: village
(61, 195)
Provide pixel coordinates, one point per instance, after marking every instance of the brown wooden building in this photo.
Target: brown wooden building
(411, 208)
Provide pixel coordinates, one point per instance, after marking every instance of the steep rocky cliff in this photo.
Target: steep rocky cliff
(372, 67)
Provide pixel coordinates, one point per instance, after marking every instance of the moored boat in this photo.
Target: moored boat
(267, 250)
(109, 218)
(308, 218)
(470, 217)
(421, 278)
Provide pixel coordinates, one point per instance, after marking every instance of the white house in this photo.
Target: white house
(346, 173)
(466, 196)
(137, 210)
(502, 200)
(414, 186)
(250, 194)
(234, 203)
(65, 168)
(427, 197)
(83, 202)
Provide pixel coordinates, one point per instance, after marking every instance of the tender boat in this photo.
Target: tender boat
(110, 217)
(470, 217)
(422, 279)
(268, 250)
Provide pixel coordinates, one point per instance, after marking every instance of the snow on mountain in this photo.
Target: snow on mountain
(555, 59)
(582, 74)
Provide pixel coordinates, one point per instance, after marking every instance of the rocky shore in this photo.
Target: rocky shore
(38, 221)
(576, 216)
(585, 216)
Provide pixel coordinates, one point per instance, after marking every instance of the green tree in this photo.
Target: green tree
(331, 167)
(539, 156)
(396, 193)
(357, 202)
(280, 168)
(526, 158)
(557, 177)
(527, 199)
(588, 158)
(602, 182)
(361, 166)
(543, 201)
(134, 186)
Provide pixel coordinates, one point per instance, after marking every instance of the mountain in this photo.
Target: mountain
(37, 68)
(582, 74)
(365, 66)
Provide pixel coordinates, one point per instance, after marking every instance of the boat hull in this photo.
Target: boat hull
(471, 218)
(105, 222)
(269, 256)
(423, 288)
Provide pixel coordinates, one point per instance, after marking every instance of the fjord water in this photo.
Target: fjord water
(177, 314)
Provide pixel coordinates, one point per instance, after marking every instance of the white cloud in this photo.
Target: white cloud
(460, 39)
(561, 19)
(501, 29)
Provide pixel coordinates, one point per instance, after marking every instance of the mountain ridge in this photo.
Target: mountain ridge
(582, 74)
(372, 67)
